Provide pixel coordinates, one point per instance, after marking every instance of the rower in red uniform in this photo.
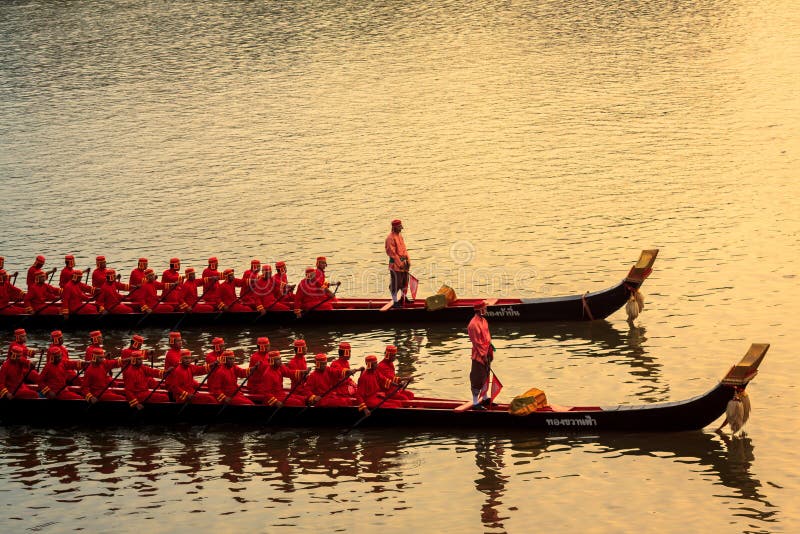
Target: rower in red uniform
(219, 347)
(11, 297)
(228, 301)
(248, 294)
(137, 275)
(76, 296)
(41, 296)
(211, 278)
(171, 278)
(260, 357)
(321, 380)
(223, 383)
(109, 299)
(96, 379)
(145, 297)
(311, 296)
(139, 380)
(270, 390)
(282, 289)
(57, 341)
(348, 387)
(136, 346)
(399, 263)
(181, 384)
(386, 373)
(66, 272)
(57, 373)
(95, 342)
(173, 356)
(100, 271)
(189, 302)
(369, 392)
(298, 361)
(38, 265)
(264, 292)
(482, 355)
(13, 374)
(322, 263)
(21, 340)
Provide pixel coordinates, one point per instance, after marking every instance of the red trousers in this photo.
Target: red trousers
(24, 392)
(68, 395)
(376, 399)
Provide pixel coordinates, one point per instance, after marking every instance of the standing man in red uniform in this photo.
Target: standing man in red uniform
(55, 376)
(181, 383)
(388, 377)
(139, 381)
(173, 356)
(482, 355)
(66, 272)
(399, 263)
(137, 275)
(223, 384)
(41, 297)
(9, 295)
(99, 274)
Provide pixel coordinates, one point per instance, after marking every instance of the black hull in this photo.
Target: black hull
(692, 414)
(598, 305)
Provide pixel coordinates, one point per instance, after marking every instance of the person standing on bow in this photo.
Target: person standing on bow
(482, 354)
(399, 263)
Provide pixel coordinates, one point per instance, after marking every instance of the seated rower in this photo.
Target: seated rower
(66, 272)
(14, 372)
(298, 361)
(248, 295)
(320, 381)
(145, 297)
(348, 387)
(181, 384)
(369, 392)
(228, 301)
(57, 341)
(322, 264)
(55, 379)
(95, 342)
(223, 384)
(173, 356)
(97, 383)
(386, 373)
(21, 340)
(188, 299)
(139, 381)
(38, 265)
(270, 389)
(259, 358)
(312, 296)
(109, 299)
(11, 297)
(76, 297)
(100, 271)
(265, 291)
(214, 354)
(172, 279)
(211, 277)
(41, 297)
(137, 275)
(281, 288)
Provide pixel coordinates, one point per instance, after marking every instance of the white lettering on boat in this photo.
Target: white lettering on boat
(587, 420)
(506, 311)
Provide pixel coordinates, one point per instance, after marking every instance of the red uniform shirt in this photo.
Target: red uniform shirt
(9, 293)
(137, 276)
(181, 382)
(74, 295)
(210, 285)
(146, 296)
(171, 280)
(397, 252)
(139, 380)
(96, 379)
(40, 294)
(12, 373)
(223, 382)
(172, 358)
(54, 376)
(478, 330)
(99, 276)
(309, 294)
(227, 291)
(66, 276)
(297, 363)
(271, 386)
(109, 297)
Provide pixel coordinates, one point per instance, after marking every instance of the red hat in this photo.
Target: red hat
(99, 259)
(95, 333)
(262, 341)
(227, 355)
(15, 352)
(321, 358)
(322, 258)
(217, 341)
(274, 355)
(212, 259)
(142, 261)
(481, 304)
(111, 274)
(40, 258)
(69, 259)
(148, 272)
(299, 342)
(280, 265)
(344, 345)
(397, 222)
(76, 275)
(226, 272)
(56, 334)
(52, 352)
(173, 336)
(137, 354)
(371, 358)
(266, 267)
(391, 349)
(98, 352)
(255, 264)
(174, 263)
(310, 270)
(38, 273)
(19, 332)
(186, 353)
(189, 270)
(138, 339)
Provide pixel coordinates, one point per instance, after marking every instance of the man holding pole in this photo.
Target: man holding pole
(482, 356)
(398, 263)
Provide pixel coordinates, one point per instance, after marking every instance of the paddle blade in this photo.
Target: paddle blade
(413, 285)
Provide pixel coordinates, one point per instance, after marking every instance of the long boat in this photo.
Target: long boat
(581, 307)
(691, 414)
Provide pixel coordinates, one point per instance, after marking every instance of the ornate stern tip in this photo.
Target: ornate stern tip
(744, 371)
(643, 267)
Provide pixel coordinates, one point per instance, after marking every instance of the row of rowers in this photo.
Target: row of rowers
(324, 385)
(261, 290)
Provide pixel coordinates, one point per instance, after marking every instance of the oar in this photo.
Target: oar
(300, 382)
(236, 392)
(189, 399)
(110, 383)
(400, 386)
(333, 387)
(70, 381)
(320, 303)
(15, 277)
(166, 374)
(30, 369)
(51, 272)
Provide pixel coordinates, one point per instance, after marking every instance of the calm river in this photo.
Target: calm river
(530, 148)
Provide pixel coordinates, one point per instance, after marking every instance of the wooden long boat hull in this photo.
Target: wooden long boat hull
(690, 414)
(583, 307)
